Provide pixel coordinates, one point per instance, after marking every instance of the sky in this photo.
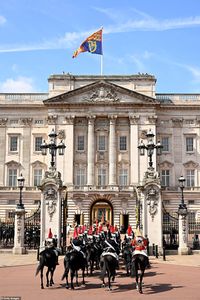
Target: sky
(161, 38)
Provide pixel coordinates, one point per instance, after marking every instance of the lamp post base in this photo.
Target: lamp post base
(183, 250)
(19, 250)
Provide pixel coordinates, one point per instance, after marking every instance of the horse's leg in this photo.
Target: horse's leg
(109, 280)
(41, 278)
(76, 277)
(72, 277)
(67, 283)
(47, 277)
(141, 277)
(51, 279)
(91, 266)
(83, 275)
(136, 277)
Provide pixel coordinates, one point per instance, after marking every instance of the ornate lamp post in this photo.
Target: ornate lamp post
(182, 205)
(183, 248)
(53, 147)
(52, 188)
(150, 146)
(20, 180)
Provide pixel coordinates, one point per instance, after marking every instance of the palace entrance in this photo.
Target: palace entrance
(102, 211)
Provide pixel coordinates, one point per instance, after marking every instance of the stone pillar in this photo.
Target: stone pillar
(51, 206)
(183, 248)
(112, 151)
(134, 154)
(19, 231)
(152, 208)
(90, 151)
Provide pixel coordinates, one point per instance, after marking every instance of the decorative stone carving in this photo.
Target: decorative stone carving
(61, 134)
(152, 197)
(3, 121)
(69, 120)
(51, 119)
(134, 119)
(26, 121)
(152, 119)
(50, 196)
(103, 95)
(177, 122)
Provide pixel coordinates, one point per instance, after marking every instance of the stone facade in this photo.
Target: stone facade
(101, 119)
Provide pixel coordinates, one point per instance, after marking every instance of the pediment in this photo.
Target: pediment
(101, 92)
(38, 163)
(190, 165)
(166, 164)
(13, 163)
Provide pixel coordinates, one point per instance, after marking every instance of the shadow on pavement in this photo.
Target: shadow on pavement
(159, 288)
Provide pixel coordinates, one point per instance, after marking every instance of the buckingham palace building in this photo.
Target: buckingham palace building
(102, 120)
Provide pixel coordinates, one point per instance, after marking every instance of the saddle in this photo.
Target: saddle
(143, 252)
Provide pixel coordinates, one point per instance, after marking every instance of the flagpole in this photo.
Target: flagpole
(102, 53)
(101, 64)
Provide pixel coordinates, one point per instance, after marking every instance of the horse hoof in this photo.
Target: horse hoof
(140, 292)
(103, 285)
(67, 287)
(110, 289)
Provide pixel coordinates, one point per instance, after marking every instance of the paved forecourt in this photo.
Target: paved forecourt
(172, 279)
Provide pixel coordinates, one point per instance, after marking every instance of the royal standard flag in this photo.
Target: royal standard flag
(92, 44)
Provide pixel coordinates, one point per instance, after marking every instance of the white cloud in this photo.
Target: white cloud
(19, 85)
(2, 20)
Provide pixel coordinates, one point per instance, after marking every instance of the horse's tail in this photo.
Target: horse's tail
(40, 265)
(104, 266)
(66, 271)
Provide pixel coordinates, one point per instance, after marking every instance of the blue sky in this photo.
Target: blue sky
(38, 38)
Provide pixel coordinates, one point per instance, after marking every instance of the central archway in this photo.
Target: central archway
(101, 210)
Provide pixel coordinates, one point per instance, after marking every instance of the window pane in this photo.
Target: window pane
(80, 146)
(122, 143)
(37, 176)
(123, 177)
(80, 177)
(13, 143)
(165, 144)
(102, 143)
(189, 144)
(165, 177)
(12, 177)
(190, 178)
(102, 177)
(38, 142)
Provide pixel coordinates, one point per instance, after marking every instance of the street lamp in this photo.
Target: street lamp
(150, 146)
(20, 180)
(53, 147)
(182, 205)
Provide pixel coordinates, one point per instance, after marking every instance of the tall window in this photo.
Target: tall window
(12, 177)
(80, 177)
(189, 144)
(165, 144)
(81, 143)
(123, 177)
(190, 178)
(38, 142)
(37, 177)
(122, 143)
(165, 175)
(101, 143)
(14, 143)
(101, 176)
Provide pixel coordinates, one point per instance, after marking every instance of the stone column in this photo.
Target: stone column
(51, 187)
(134, 154)
(19, 231)
(90, 151)
(112, 151)
(183, 248)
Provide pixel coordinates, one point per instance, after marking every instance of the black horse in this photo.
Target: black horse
(109, 260)
(74, 261)
(127, 252)
(47, 258)
(139, 262)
